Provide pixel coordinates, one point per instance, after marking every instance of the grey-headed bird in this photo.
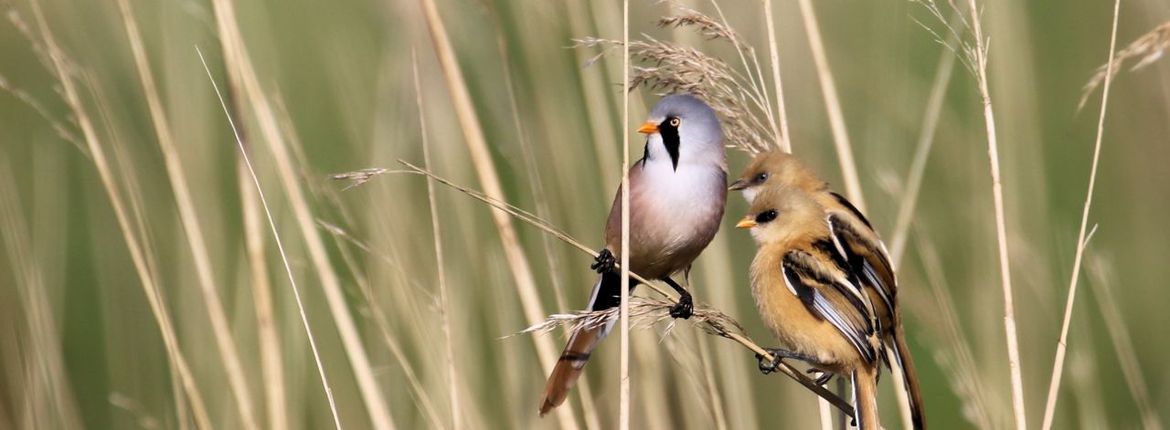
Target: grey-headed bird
(677, 193)
(864, 251)
(810, 298)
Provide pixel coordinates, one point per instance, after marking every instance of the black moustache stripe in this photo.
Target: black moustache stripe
(671, 141)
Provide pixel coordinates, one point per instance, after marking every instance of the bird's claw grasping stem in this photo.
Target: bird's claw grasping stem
(604, 262)
(684, 308)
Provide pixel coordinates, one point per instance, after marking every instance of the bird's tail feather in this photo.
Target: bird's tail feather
(581, 344)
(909, 376)
(865, 398)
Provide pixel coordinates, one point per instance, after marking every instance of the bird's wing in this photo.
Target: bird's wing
(828, 292)
(866, 256)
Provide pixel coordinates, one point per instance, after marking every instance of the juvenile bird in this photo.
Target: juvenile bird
(810, 298)
(677, 193)
(864, 251)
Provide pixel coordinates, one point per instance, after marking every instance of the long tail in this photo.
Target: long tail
(581, 344)
(865, 398)
(901, 353)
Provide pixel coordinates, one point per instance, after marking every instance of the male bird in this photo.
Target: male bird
(677, 193)
(809, 296)
(863, 249)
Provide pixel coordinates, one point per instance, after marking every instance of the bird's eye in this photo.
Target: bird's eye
(674, 122)
(765, 216)
(760, 178)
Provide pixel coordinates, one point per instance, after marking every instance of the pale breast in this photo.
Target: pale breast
(674, 217)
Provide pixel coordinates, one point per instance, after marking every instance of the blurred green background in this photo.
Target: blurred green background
(80, 345)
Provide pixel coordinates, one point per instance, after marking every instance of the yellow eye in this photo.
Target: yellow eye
(674, 122)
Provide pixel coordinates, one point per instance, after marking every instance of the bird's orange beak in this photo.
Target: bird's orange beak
(746, 222)
(648, 128)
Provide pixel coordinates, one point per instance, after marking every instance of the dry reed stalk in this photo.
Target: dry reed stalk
(967, 381)
(1009, 313)
(710, 383)
(716, 323)
(444, 303)
(220, 327)
(242, 75)
(63, 72)
(1082, 241)
(784, 140)
(1123, 347)
(832, 105)
(909, 200)
(271, 363)
(1147, 49)
(535, 183)
(279, 243)
(50, 396)
(624, 322)
(137, 216)
(486, 171)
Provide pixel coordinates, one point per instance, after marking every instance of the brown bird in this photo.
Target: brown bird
(864, 251)
(677, 193)
(809, 296)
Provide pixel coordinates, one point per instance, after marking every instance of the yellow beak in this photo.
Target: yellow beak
(746, 222)
(648, 128)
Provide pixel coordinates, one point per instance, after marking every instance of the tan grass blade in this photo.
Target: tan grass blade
(832, 105)
(279, 244)
(624, 321)
(220, 327)
(783, 139)
(47, 390)
(271, 363)
(485, 169)
(1009, 312)
(60, 67)
(1123, 347)
(1082, 241)
(241, 74)
(444, 304)
(909, 200)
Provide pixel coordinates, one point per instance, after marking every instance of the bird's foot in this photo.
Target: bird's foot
(778, 354)
(822, 378)
(768, 366)
(604, 263)
(684, 308)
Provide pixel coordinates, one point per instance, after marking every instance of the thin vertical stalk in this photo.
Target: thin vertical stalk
(909, 200)
(1009, 313)
(783, 139)
(271, 363)
(150, 286)
(624, 396)
(279, 245)
(832, 105)
(444, 302)
(220, 327)
(481, 159)
(1058, 362)
(243, 75)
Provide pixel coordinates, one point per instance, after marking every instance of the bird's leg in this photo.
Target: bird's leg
(778, 354)
(685, 306)
(604, 262)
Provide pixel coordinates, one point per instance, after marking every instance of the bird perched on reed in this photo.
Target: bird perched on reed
(677, 193)
(863, 252)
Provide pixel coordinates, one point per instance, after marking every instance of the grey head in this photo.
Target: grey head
(682, 130)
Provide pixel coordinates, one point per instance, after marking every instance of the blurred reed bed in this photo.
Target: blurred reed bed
(141, 285)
